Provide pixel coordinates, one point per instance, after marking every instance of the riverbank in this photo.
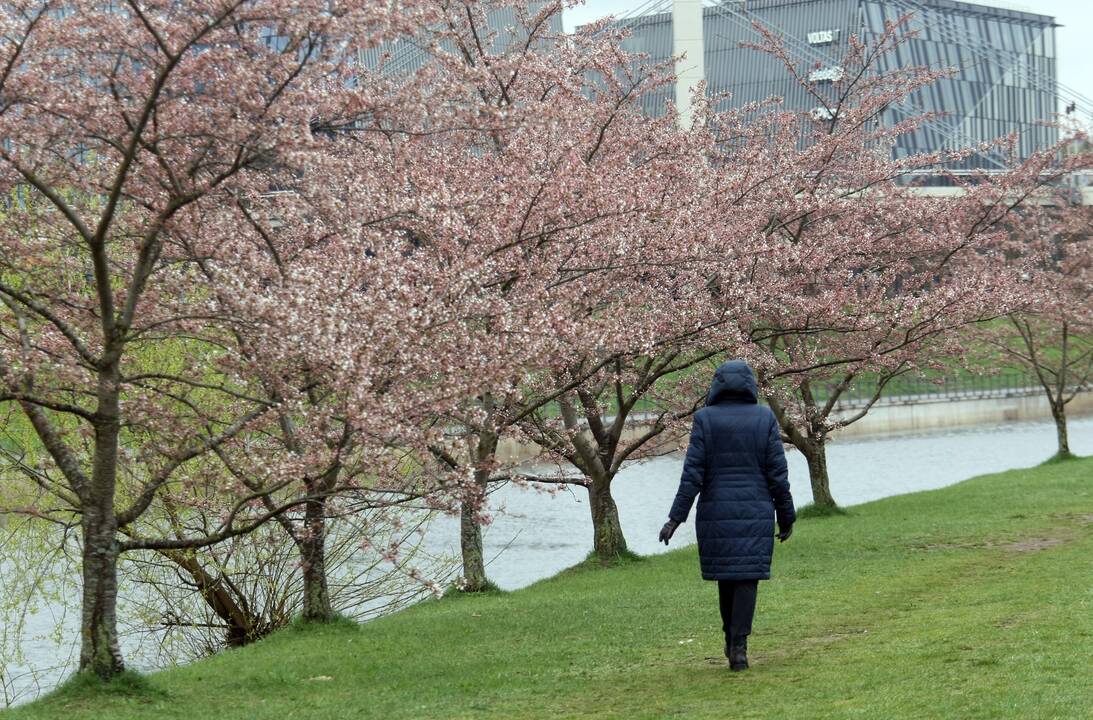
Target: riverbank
(972, 601)
(894, 416)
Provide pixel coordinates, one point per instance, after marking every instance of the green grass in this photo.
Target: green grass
(1061, 457)
(974, 601)
(810, 511)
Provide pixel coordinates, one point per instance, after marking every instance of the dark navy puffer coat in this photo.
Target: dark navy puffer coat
(736, 466)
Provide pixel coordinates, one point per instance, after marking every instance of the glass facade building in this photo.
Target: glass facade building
(504, 28)
(1004, 62)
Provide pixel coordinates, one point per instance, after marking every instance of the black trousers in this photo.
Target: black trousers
(737, 599)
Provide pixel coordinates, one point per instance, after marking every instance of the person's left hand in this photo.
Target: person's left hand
(784, 532)
(668, 530)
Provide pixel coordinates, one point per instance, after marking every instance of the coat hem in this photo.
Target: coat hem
(736, 576)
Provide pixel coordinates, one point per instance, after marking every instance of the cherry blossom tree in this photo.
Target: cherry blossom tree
(568, 248)
(624, 412)
(1052, 335)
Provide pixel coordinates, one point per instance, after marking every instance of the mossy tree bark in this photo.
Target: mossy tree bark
(1058, 413)
(815, 452)
(810, 438)
(608, 541)
(317, 603)
(310, 539)
(482, 452)
(470, 544)
(100, 652)
(317, 606)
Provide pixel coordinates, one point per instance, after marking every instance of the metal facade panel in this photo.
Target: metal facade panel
(1005, 61)
(1005, 71)
(751, 75)
(408, 54)
(651, 35)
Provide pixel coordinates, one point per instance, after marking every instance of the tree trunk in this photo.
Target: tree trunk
(100, 652)
(470, 532)
(470, 542)
(241, 625)
(317, 607)
(1058, 412)
(607, 540)
(815, 452)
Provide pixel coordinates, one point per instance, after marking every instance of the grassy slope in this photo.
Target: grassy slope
(974, 601)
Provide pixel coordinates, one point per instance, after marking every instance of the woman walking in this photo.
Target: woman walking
(737, 467)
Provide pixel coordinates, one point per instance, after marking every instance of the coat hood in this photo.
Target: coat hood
(733, 382)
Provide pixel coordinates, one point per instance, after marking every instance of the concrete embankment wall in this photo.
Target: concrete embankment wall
(899, 418)
(514, 451)
(891, 419)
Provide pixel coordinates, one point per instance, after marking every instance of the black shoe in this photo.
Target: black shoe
(737, 651)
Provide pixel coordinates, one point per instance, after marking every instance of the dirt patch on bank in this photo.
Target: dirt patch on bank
(1031, 545)
(1080, 518)
(1023, 545)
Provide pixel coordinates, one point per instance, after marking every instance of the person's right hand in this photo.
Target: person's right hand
(667, 531)
(784, 532)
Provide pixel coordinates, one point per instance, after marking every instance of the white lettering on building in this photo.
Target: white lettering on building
(828, 74)
(822, 37)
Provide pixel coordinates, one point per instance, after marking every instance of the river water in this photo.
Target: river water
(535, 535)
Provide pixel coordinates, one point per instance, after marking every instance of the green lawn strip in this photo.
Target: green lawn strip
(972, 601)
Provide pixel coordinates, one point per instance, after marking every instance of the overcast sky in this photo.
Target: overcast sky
(1074, 38)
